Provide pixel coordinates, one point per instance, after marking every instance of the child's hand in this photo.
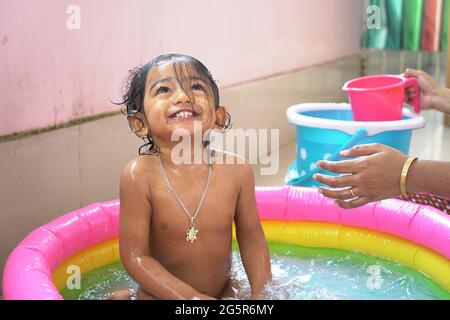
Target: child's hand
(372, 177)
(258, 296)
(120, 294)
(429, 88)
(201, 296)
(270, 290)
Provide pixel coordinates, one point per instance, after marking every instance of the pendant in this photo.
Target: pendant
(191, 234)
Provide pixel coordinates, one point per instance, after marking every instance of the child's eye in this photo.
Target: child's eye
(162, 89)
(198, 86)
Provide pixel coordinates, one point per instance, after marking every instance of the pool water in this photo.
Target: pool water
(299, 273)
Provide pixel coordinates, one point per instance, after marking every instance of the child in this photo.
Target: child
(176, 219)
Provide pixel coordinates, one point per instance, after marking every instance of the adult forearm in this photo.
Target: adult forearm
(441, 101)
(429, 176)
(157, 280)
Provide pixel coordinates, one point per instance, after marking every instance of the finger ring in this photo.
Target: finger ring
(354, 195)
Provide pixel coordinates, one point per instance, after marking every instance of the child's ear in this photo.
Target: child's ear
(138, 126)
(221, 116)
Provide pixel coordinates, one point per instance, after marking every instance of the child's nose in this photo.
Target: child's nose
(181, 96)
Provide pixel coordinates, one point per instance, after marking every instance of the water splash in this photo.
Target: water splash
(316, 277)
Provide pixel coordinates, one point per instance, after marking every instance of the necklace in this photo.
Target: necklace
(191, 233)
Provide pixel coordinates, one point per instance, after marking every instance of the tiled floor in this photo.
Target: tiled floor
(433, 141)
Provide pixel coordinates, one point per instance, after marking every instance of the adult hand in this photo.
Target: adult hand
(374, 176)
(429, 88)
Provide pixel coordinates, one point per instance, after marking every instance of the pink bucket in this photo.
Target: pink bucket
(379, 98)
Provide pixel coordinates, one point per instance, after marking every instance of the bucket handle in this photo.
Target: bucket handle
(412, 82)
(359, 135)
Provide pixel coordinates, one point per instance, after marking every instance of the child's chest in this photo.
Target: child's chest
(213, 219)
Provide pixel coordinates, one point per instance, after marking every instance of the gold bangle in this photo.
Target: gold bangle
(404, 174)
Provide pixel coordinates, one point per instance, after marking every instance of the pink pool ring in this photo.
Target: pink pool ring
(28, 270)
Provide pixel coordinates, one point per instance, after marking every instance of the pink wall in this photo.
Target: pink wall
(50, 74)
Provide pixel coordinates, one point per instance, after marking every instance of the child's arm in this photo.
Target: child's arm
(250, 236)
(135, 214)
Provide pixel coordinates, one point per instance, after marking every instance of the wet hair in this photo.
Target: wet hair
(184, 67)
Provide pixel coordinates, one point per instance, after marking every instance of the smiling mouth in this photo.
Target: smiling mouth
(183, 115)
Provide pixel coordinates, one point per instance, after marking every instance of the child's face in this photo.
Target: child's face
(168, 107)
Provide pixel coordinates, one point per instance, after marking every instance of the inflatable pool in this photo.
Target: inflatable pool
(413, 235)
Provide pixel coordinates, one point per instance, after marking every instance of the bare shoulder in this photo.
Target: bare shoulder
(234, 164)
(138, 173)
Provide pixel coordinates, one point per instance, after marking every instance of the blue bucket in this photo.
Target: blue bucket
(325, 129)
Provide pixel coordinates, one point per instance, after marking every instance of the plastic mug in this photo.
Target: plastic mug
(380, 97)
